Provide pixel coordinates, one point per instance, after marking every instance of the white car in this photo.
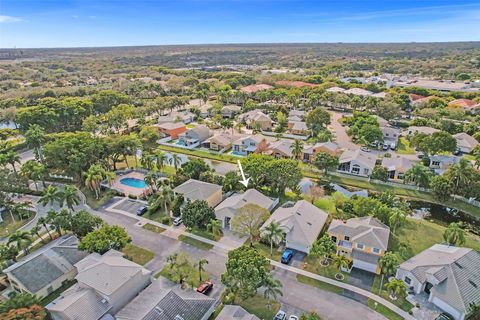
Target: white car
(292, 317)
(178, 221)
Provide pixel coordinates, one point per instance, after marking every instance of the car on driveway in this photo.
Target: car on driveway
(177, 221)
(365, 149)
(205, 287)
(287, 256)
(281, 315)
(141, 210)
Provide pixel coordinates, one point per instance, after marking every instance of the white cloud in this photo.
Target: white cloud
(9, 19)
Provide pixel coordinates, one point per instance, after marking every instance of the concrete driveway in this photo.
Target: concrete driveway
(129, 205)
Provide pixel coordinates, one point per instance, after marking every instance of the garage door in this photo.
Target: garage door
(447, 308)
(365, 266)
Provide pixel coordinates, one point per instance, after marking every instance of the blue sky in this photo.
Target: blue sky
(74, 23)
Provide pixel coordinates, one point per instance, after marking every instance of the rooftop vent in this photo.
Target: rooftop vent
(458, 265)
(159, 310)
(104, 301)
(473, 283)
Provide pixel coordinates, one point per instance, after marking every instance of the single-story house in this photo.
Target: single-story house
(165, 300)
(256, 87)
(413, 130)
(280, 149)
(298, 128)
(230, 111)
(357, 162)
(229, 207)
(257, 117)
(220, 141)
(233, 312)
(105, 284)
(439, 164)
(448, 275)
(297, 113)
(194, 137)
(465, 104)
(202, 107)
(465, 142)
(397, 166)
(177, 116)
(302, 223)
(309, 152)
(364, 240)
(390, 134)
(47, 269)
(249, 144)
(199, 190)
(358, 92)
(171, 129)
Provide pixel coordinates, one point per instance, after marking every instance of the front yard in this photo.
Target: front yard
(312, 264)
(402, 303)
(193, 279)
(137, 254)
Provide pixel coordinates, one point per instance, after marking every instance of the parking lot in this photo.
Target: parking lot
(129, 206)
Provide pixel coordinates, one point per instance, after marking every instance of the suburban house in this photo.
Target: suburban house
(194, 137)
(199, 190)
(257, 117)
(448, 275)
(177, 116)
(465, 104)
(298, 128)
(390, 135)
(357, 162)
(249, 144)
(171, 129)
(397, 166)
(465, 142)
(47, 269)
(302, 223)
(202, 107)
(413, 130)
(363, 239)
(230, 111)
(280, 149)
(105, 284)
(335, 90)
(309, 152)
(358, 92)
(165, 300)
(256, 87)
(439, 164)
(229, 207)
(220, 141)
(300, 114)
(233, 312)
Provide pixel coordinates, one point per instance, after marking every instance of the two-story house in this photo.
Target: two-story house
(246, 145)
(364, 240)
(193, 137)
(309, 152)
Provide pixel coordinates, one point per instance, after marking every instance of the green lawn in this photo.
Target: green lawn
(158, 216)
(193, 279)
(421, 234)
(153, 228)
(206, 234)
(312, 264)
(94, 203)
(404, 146)
(264, 249)
(319, 284)
(200, 153)
(8, 226)
(380, 308)
(400, 302)
(55, 294)
(195, 242)
(137, 254)
(259, 306)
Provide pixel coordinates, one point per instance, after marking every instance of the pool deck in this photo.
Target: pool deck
(117, 185)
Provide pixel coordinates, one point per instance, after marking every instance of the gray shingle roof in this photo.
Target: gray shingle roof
(238, 200)
(197, 190)
(231, 312)
(365, 230)
(163, 300)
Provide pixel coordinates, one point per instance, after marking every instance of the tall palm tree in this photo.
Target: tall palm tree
(454, 235)
(151, 180)
(272, 289)
(147, 161)
(418, 174)
(460, 174)
(201, 269)
(34, 138)
(12, 158)
(36, 231)
(297, 148)
(58, 219)
(22, 209)
(51, 195)
(274, 234)
(70, 197)
(175, 160)
(215, 227)
(160, 160)
(388, 265)
(43, 221)
(341, 261)
(397, 288)
(168, 197)
(93, 178)
(21, 239)
(33, 170)
(397, 219)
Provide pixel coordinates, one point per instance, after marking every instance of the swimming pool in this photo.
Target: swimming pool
(133, 182)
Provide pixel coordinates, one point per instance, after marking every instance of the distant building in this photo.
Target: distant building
(465, 142)
(257, 117)
(295, 84)
(220, 141)
(413, 130)
(255, 87)
(448, 275)
(47, 269)
(298, 128)
(358, 92)
(230, 111)
(397, 166)
(171, 129)
(439, 164)
(309, 152)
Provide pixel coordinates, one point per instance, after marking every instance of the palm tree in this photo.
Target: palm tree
(297, 148)
(274, 234)
(201, 269)
(454, 235)
(21, 239)
(43, 221)
(69, 196)
(93, 178)
(388, 265)
(33, 170)
(396, 219)
(22, 209)
(151, 180)
(51, 195)
(272, 289)
(11, 157)
(147, 161)
(397, 288)
(160, 159)
(175, 160)
(215, 227)
(168, 197)
(419, 175)
(460, 174)
(34, 138)
(341, 261)
(58, 219)
(36, 231)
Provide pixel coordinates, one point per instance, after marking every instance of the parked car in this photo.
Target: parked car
(281, 315)
(365, 149)
(177, 221)
(293, 317)
(287, 256)
(393, 146)
(385, 146)
(205, 287)
(141, 210)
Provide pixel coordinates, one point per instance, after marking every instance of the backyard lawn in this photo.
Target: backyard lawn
(137, 254)
(158, 216)
(421, 234)
(264, 250)
(195, 242)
